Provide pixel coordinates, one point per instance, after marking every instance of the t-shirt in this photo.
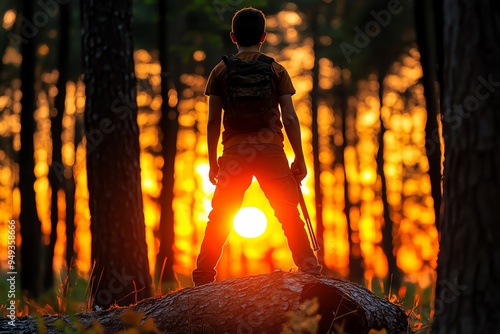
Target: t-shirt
(216, 85)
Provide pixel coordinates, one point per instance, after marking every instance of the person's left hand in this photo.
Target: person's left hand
(213, 173)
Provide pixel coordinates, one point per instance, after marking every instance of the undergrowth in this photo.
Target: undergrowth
(306, 321)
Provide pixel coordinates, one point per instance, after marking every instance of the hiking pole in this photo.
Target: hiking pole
(307, 218)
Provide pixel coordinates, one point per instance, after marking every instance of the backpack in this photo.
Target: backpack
(249, 101)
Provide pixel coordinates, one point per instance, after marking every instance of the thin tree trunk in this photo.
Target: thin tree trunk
(121, 270)
(439, 36)
(257, 304)
(70, 190)
(56, 171)
(31, 233)
(467, 296)
(394, 276)
(318, 193)
(169, 125)
(356, 271)
(427, 44)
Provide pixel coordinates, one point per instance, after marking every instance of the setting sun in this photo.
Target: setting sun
(250, 222)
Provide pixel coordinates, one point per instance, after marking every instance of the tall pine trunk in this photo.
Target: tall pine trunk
(69, 181)
(424, 14)
(437, 8)
(318, 193)
(56, 171)
(394, 276)
(31, 233)
(70, 191)
(169, 124)
(356, 270)
(120, 271)
(467, 291)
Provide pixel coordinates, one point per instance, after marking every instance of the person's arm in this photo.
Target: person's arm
(213, 134)
(292, 128)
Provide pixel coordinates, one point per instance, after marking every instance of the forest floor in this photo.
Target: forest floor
(70, 297)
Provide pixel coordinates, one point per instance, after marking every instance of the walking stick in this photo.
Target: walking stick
(307, 218)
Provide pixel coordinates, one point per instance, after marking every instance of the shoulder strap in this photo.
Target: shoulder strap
(225, 59)
(266, 59)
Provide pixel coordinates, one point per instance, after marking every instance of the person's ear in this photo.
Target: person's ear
(233, 37)
(263, 38)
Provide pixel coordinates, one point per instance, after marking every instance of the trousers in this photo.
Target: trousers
(237, 166)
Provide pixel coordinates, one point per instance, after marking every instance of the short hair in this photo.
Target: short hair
(248, 26)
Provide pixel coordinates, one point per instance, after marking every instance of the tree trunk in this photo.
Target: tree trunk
(467, 291)
(31, 233)
(318, 193)
(164, 271)
(70, 190)
(394, 276)
(121, 271)
(424, 15)
(356, 270)
(56, 171)
(439, 35)
(252, 305)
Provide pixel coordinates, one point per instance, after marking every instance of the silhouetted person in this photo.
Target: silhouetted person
(249, 86)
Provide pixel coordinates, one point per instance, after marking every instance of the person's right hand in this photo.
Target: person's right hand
(299, 169)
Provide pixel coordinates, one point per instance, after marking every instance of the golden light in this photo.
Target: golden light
(408, 193)
(43, 50)
(199, 55)
(8, 19)
(250, 222)
(289, 18)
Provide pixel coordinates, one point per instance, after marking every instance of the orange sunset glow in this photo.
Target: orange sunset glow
(250, 222)
(259, 245)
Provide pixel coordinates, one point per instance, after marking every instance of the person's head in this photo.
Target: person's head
(248, 27)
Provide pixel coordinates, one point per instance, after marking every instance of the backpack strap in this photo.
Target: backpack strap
(225, 59)
(266, 59)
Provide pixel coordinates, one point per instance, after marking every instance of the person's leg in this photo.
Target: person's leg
(233, 181)
(280, 188)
